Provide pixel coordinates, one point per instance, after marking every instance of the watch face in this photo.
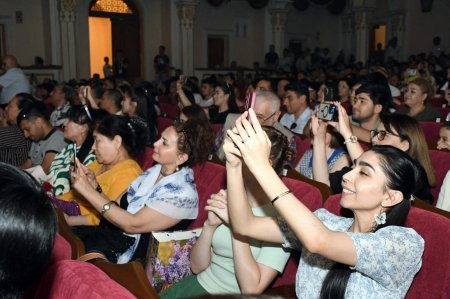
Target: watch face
(353, 139)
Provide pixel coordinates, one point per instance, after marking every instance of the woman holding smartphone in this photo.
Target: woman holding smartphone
(371, 253)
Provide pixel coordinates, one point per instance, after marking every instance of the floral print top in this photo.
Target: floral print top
(387, 260)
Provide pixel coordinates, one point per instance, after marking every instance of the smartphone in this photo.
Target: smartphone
(74, 157)
(328, 112)
(250, 103)
(328, 94)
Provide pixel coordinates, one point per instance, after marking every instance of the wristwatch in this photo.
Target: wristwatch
(106, 207)
(352, 139)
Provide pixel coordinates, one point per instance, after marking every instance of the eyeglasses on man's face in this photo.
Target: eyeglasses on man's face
(381, 134)
(263, 119)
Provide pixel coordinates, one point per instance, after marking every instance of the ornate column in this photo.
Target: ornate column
(347, 29)
(398, 30)
(67, 24)
(361, 35)
(278, 19)
(186, 14)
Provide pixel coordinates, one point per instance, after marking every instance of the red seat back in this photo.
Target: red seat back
(432, 281)
(163, 123)
(441, 164)
(169, 110)
(311, 197)
(147, 160)
(430, 130)
(302, 145)
(209, 179)
(444, 111)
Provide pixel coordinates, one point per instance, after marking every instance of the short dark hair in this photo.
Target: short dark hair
(377, 87)
(115, 96)
(27, 233)
(300, 89)
(134, 133)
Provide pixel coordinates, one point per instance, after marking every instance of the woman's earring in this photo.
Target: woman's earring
(380, 218)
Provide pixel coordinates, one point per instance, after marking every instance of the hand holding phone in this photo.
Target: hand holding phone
(250, 103)
(328, 112)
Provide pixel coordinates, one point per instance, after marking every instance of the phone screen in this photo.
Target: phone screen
(250, 103)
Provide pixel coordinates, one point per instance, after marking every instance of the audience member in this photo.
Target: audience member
(161, 63)
(418, 92)
(336, 156)
(46, 140)
(344, 93)
(297, 105)
(117, 140)
(267, 110)
(224, 262)
(61, 98)
(263, 85)
(14, 147)
(78, 129)
(271, 59)
(208, 89)
(107, 68)
(444, 137)
(159, 199)
(339, 255)
(225, 103)
(280, 88)
(444, 195)
(111, 102)
(13, 81)
(120, 65)
(27, 233)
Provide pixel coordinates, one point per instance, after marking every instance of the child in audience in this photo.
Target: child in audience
(444, 137)
(371, 253)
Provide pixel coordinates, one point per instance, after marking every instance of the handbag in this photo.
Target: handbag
(71, 208)
(169, 258)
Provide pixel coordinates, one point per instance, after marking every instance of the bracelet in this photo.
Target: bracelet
(351, 139)
(280, 196)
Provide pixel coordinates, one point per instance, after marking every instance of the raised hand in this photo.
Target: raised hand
(83, 179)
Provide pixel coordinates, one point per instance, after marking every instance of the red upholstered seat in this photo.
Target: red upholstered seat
(441, 164)
(430, 130)
(163, 123)
(169, 110)
(61, 250)
(209, 179)
(302, 145)
(311, 197)
(432, 281)
(77, 279)
(147, 160)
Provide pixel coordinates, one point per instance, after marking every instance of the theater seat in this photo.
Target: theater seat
(147, 160)
(163, 123)
(209, 179)
(302, 145)
(169, 110)
(431, 131)
(77, 279)
(441, 164)
(432, 280)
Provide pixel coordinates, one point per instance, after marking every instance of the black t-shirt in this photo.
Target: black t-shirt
(216, 117)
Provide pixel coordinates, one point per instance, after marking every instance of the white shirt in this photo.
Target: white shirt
(13, 82)
(289, 119)
(444, 195)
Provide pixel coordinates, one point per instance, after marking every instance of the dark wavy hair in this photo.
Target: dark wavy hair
(194, 140)
(377, 87)
(402, 175)
(229, 90)
(82, 115)
(278, 149)
(27, 231)
(134, 133)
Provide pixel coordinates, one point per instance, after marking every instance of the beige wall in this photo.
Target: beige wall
(26, 40)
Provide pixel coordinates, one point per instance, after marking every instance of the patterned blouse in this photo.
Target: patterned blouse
(305, 164)
(387, 260)
(60, 169)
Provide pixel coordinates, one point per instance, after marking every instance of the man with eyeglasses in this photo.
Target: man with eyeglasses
(267, 110)
(13, 81)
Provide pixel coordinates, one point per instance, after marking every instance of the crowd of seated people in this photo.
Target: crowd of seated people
(83, 139)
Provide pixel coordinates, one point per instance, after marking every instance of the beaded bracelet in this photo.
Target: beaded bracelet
(280, 196)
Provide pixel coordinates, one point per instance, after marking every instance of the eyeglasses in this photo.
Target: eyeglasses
(381, 134)
(262, 119)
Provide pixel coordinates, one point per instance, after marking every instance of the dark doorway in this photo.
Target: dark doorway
(216, 52)
(125, 31)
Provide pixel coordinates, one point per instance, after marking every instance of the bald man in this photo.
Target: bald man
(13, 81)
